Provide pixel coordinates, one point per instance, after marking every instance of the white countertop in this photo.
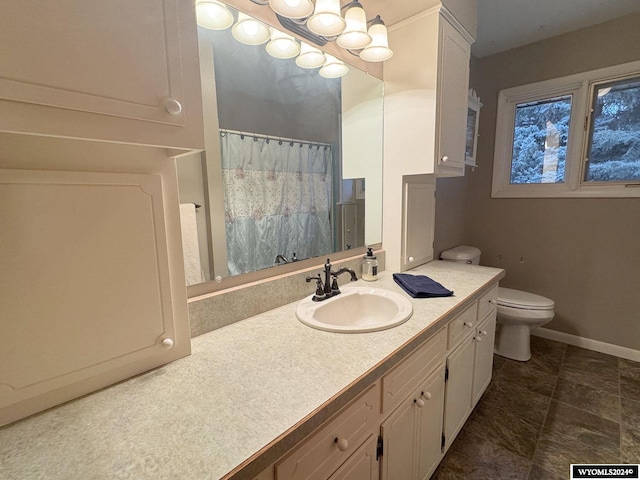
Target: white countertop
(244, 388)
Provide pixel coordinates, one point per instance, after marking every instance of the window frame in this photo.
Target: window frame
(582, 88)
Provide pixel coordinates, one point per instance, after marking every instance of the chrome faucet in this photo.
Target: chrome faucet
(281, 258)
(329, 288)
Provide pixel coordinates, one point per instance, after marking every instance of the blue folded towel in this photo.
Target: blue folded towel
(421, 286)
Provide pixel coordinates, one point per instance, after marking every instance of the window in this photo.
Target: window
(573, 136)
(614, 136)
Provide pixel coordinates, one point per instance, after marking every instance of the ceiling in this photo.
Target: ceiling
(507, 24)
(503, 25)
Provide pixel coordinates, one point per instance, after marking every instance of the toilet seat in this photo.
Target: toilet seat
(508, 297)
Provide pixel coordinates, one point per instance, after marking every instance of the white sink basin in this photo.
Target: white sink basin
(356, 310)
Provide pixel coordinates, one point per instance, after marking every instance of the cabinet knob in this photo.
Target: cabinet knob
(468, 324)
(173, 106)
(493, 302)
(427, 395)
(419, 402)
(445, 159)
(483, 333)
(342, 443)
(478, 339)
(167, 343)
(410, 259)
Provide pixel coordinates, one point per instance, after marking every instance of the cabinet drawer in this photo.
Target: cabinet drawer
(461, 326)
(401, 381)
(487, 302)
(328, 448)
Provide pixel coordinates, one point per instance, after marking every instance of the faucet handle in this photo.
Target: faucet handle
(334, 286)
(320, 293)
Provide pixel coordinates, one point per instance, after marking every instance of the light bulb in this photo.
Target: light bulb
(333, 68)
(213, 15)
(282, 45)
(292, 8)
(326, 19)
(249, 31)
(310, 57)
(355, 34)
(378, 50)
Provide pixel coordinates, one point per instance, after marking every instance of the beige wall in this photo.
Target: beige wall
(583, 253)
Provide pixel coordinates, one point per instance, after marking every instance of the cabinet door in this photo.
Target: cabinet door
(458, 389)
(430, 424)
(418, 207)
(87, 69)
(399, 437)
(483, 363)
(362, 465)
(92, 249)
(452, 97)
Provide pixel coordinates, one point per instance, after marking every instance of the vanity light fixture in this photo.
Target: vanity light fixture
(333, 68)
(250, 31)
(310, 57)
(378, 50)
(213, 15)
(292, 8)
(282, 45)
(326, 20)
(355, 34)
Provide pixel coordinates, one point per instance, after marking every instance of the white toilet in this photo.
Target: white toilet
(518, 311)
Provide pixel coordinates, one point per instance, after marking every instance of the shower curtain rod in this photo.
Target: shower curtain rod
(291, 141)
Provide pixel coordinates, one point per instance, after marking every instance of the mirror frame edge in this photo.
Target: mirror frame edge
(245, 279)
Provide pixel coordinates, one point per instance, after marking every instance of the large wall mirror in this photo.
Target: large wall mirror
(293, 163)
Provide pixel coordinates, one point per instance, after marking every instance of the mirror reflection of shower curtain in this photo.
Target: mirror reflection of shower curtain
(277, 200)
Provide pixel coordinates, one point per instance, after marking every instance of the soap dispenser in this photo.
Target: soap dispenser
(370, 266)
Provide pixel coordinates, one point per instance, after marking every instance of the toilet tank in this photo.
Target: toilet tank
(462, 254)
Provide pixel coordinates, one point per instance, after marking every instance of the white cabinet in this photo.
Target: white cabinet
(459, 388)
(334, 443)
(411, 435)
(118, 71)
(451, 100)
(362, 465)
(426, 90)
(418, 211)
(86, 285)
(469, 362)
(483, 356)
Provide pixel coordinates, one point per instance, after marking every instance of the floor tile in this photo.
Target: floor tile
(592, 373)
(629, 368)
(532, 378)
(630, 413)
(586, 398)
(556, 452)
(517, 398)
(630, 445)
(504, 429)
(471, 459)
(546, 354)
(498, 362)
(443, 473)
(539, 473)
(584, 426)
(579, 354)
(629, 388)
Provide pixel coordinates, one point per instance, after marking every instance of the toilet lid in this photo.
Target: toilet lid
(509, 297)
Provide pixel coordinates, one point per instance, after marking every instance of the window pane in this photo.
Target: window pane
(540, 141)
(614, 141)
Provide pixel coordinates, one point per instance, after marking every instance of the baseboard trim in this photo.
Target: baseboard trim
(589, 344)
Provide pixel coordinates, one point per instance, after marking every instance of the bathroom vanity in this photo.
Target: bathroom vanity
(271, 398)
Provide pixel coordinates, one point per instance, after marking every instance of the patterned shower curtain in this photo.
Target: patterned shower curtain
(277, 199)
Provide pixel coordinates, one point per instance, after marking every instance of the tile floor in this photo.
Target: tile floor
(565, 405)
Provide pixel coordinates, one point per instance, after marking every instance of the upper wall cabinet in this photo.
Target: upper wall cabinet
(426, 93)
(117, 71)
